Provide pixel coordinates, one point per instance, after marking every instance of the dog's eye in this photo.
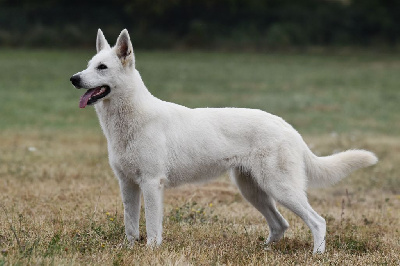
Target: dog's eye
(102, 66)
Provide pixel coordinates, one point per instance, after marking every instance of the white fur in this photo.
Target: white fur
(154, 144)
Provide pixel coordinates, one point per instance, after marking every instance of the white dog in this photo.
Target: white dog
(154, 144)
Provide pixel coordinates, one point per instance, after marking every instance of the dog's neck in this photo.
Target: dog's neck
(115, 114)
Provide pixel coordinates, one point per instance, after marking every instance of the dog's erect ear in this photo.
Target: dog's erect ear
(101, 42)
(124, 48)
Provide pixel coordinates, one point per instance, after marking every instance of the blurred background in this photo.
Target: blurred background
(224, 24)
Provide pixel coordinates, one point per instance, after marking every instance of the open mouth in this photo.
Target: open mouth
(93, 95)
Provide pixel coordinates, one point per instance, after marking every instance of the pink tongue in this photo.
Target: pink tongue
(85, 97)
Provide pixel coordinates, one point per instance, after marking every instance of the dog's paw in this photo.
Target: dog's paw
(154, 242)
(131, 240)
(272, 238)
(320, 249)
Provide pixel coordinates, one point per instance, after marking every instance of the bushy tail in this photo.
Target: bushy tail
(323, 171)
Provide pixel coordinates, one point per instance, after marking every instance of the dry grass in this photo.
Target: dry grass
(60, 204)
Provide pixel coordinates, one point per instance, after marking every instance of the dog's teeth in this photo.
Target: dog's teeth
(99, 92)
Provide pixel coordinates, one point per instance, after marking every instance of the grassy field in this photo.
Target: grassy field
(60, 203)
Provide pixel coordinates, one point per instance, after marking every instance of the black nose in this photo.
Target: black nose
(76, 80)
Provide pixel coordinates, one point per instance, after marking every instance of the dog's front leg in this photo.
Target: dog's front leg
(130, 193)
(153, 203)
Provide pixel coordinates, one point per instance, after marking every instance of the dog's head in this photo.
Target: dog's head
(106, 71)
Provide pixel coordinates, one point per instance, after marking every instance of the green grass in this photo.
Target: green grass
(315, 93)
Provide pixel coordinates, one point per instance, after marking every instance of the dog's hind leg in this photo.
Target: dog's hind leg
(131, 199)
(262, 202)
(295, 199)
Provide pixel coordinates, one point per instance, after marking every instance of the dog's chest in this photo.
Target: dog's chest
(135, 157)
(121, 150)
(122, 161)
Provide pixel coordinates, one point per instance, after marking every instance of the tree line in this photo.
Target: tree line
(202, 23)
